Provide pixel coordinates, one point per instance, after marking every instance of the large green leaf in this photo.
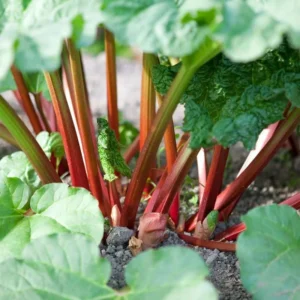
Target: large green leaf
(233, 102)
(66, 266)
(245, 28)
(153, 25)
(55, 208)
(168, 273)
(269, 253)
(32, 32)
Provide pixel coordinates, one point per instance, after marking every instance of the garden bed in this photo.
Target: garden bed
(277, 182)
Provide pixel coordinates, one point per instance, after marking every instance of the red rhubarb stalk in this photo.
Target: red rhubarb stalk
(214, 181)
(263, 138)
(160, 123)
(231, 233)
(67, 130)
(175, 178)
(38, 103)
(171, 154)
(207, 244)
(26, 102)
(81, 109)
(240, 184)
(111, 83)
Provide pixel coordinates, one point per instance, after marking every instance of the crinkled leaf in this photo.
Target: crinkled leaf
(233, 102)
(32, 32)
(51, 143)
(109, 152)
(17, 165)
(153, 26)
(62, 266)
(269, 253)
(65, 266)
(55, 208)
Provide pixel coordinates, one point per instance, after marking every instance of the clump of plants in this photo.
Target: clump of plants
(235, 67)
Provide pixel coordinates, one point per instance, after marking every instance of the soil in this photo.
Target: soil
(279, 180)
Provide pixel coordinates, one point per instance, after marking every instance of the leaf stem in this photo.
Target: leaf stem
(214, 182)
(241, 183)
(82, 112)
(27, 143)
(6, 136)
(111, 83)
(37, 99)
(26, 102)
(67, 130)
(158, 128)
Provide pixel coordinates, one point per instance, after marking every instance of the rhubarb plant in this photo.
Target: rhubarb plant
(234, 65)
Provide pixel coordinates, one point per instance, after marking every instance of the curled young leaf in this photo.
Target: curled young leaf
(109, 152)
(152, 229)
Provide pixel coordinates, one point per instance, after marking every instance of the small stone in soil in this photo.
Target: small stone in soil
(119, 236)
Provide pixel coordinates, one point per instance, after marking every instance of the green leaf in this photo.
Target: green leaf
(56, 267)
(162, 30)
(172, 273)
(246, 28)
(231, 102)
(109, 152)
(68, 266)
(32, 32)
(36, 83)
(128, 133)
(55, 208)
(17, 165)
(51, 143)
(8, 83)
(269, 253)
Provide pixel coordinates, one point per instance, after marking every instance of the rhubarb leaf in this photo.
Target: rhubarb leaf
(68, 266)
(109, 152)
(231, 102)
(32, 32)
(36, 84)
(269, 252)
(18, 165)
(51, 143)
(7, 83)
(62, 266)
(245, 28)
(54, 208)
(162, 30)
(173, 278)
